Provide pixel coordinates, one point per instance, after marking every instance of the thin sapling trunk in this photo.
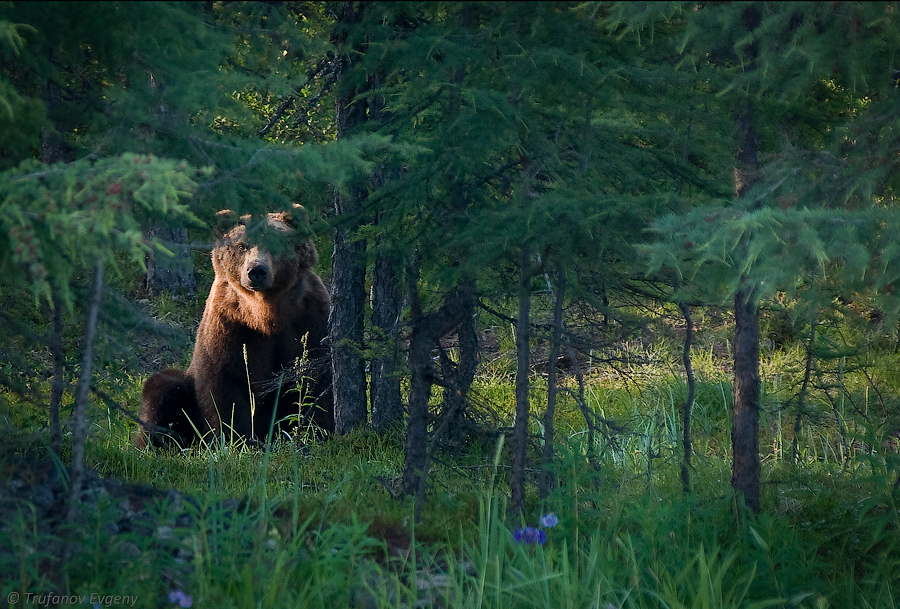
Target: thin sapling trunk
(689, 400)
(520, 427)
(547, 477)
(79, 428)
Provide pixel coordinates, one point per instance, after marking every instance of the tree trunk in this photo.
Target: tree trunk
(426, 331)
(348, 291)
(745, 416)
(52, 151)
(387, 408)
(463, 373)
(419, 393)
(58, 384)
(347, 314)
(689, 400)
(801, 396)
(171, 274)
(547, 477)
(79, 428)
(520, 427)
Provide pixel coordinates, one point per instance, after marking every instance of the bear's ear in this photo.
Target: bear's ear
(307, 254)
(297, 217)
(227, 219)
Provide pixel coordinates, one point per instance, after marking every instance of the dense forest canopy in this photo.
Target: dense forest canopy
(613, 301)
(584, 172)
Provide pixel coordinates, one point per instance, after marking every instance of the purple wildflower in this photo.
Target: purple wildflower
(530, 535)
(181, 599)
(549, 520)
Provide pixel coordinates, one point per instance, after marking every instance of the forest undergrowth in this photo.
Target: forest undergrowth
(324, 526)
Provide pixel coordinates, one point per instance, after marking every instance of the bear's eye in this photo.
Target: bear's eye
(241, 247)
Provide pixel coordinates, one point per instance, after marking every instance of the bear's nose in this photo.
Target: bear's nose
(258, 273)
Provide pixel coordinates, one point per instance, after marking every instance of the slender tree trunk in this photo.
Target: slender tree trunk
(426, 331)
(419, 393)
(801, 396)
(745, 419)
(590, 417)
(173, 275)
(520, 427)
(52, 152)
(689, 400)
(387, 408)
(547, 477)
(458, 376)
(58, 384)
(468, 351)
(348, 291)
(745, 416)
(79, 429)
(346, 324)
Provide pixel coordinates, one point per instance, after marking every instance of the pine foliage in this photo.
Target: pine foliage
(823, 203)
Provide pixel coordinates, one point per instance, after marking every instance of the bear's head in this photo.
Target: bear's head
(264, 254)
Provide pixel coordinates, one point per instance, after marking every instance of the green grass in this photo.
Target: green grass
(318, 527)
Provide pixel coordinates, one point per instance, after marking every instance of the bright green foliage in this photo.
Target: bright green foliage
(787, 249)
(181, 80)
(822, 206)
(56, 221)
(15, 111)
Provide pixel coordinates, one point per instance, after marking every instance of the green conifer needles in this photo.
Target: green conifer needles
(56, 221)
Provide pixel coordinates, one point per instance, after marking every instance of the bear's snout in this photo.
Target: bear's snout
(258, 274)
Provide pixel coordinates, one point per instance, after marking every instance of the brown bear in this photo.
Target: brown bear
(266, 310)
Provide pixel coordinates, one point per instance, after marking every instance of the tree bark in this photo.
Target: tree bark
(462, 374)
(387, 408)
(745, 415)
(348, 296)
(689, 400)
(347, 314)
(745, 472)
(427, 328)
(547, 477)
(173, 275)
(801, 396)
(57, 385)
(746, 390)
(52, 151)
(520, 427)
(419, 392)
(79, 428)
